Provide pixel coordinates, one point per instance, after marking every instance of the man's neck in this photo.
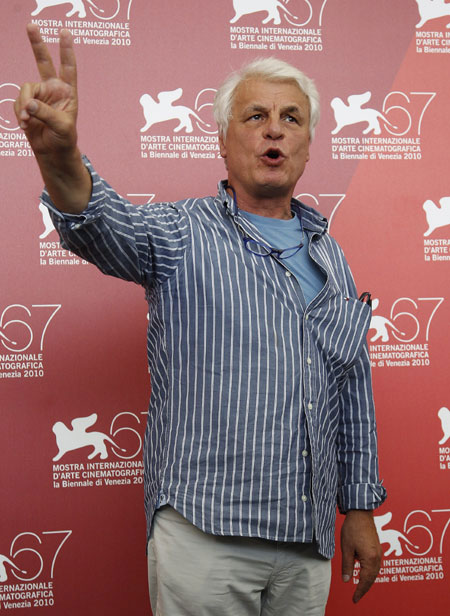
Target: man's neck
(263, 205)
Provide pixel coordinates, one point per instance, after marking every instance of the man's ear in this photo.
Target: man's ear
(222, 146)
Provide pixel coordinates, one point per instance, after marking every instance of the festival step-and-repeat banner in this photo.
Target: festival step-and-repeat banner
(74, 381)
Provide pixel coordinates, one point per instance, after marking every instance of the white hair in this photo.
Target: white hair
(267, 69)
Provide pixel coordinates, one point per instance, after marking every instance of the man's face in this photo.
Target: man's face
(267, 143)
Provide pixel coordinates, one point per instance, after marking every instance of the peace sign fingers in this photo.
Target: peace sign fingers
(47, 113)
(43, 59)
(68, 67)
(47, 109)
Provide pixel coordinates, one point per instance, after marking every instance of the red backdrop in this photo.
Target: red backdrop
(72, 536)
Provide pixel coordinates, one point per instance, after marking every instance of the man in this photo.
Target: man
(261, 414)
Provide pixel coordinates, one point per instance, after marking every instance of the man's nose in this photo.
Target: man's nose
(274, 129)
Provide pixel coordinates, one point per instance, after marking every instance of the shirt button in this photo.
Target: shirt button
(288, 274)
(306, 317)
(309, 360)
(310, 406)
(162, 499)
(305, 453)
(304, 498)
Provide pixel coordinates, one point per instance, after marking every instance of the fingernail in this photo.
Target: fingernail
(32, 107)
(345, 578)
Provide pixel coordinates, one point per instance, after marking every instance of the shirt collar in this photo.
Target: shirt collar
(312, 220)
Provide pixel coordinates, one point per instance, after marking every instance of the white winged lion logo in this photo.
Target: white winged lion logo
(353, 113)
(437, 215)
(381, 325)
(4, 560)
(271, 7)
(163, 110)
(391, 536)
(444, 416)
(70, 439)
(432, 9)
(77, 6)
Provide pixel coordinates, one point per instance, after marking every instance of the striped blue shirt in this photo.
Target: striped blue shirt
(261, 415)
(284, 234)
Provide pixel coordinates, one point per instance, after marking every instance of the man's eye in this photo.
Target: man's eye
(290, 118)
(255, 116)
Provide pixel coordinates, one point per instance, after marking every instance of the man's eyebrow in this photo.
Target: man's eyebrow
(254, 107)
(257, 107)
(295, 109)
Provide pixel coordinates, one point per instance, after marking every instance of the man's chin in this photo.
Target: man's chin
(275, 182)
(273, 189)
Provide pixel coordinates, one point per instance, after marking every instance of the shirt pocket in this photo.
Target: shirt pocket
(341, 327)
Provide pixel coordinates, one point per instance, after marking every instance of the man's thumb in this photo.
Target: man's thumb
(347, 566)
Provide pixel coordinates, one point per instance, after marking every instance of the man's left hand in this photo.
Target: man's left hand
(359, 541)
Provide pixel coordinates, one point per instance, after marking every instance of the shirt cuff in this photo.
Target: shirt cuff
(361, 496)
(92, 211)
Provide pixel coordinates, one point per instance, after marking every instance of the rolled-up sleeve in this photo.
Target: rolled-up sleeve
(359, 485)
(142, 244)
(357, 450)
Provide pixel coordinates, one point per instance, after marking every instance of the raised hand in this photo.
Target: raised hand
(47, 113)
(47, 110)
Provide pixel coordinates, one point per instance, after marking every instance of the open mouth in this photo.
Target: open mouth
(273, 154)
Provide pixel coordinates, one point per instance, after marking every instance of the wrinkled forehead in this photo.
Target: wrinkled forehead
(258, 90)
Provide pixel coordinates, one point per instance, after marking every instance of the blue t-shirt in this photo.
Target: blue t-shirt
(287, 233)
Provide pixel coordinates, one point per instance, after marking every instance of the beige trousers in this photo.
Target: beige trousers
(192, 573)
